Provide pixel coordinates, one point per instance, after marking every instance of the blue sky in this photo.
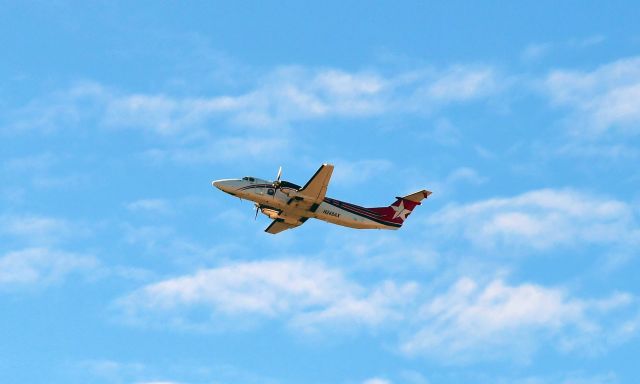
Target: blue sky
(120, 264)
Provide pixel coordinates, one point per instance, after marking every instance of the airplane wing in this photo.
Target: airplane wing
(316, 187)
(307, 198)
(279, 225)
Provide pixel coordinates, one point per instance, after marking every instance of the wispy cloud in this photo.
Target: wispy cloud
(455, 180)
(37, 162)
(603, 100)
(537, 51)
(61, 110)
(282, 96)
(37, 267)
(461, 83)
(157, 382)
(306, 295)
(376, 380)
(161, 206)
(212, 150)
(472, 321)
(465, 175)
(358, 171)
(113, 371)
(542, 219)
(201, 129)
(37, 229)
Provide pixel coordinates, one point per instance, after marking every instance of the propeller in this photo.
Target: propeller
(257, 210)
(277, 182)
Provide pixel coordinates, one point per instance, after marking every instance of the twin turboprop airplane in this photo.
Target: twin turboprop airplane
(290, 205)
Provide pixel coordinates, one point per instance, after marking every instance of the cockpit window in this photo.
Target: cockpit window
(247, 178)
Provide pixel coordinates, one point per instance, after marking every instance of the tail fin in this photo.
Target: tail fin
(403, 206)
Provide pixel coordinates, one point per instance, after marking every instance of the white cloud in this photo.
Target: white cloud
(382, 304)
(223, 149)
(605, 99)
(281, 96)
(475, 322)
(471, 321)
(149, 235)
(356, 172)
(37, 229)
(541, 219)
(376, 380)
(380, 251)
(443, 133)
(41, 267)
(465, 174)
(536, 51)
(461, 83)
(626, 151)
(150, 205)
(61, 181)
(257, 119)
(163, 114)
(157, 382)
(304, 294)
(459, 179)
(60, 110)
(175, 372)
(31, 163)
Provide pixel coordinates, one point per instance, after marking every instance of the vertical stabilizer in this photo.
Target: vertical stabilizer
(401, 209)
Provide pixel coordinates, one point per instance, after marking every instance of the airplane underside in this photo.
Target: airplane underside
(325, 211)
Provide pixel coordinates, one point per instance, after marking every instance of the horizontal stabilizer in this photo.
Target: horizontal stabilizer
(417, 197)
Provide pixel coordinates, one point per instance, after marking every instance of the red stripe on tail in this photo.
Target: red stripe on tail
(401, 208)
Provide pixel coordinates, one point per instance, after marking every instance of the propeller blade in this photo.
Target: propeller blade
(276, 183)
(257, 209)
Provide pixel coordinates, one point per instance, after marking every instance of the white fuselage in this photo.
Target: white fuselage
(285, 203)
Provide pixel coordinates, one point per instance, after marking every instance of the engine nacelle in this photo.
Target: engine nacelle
(274, 214)
(271, 213)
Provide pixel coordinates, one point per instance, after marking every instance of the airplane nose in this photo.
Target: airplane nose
(225, 185)
(220, 184)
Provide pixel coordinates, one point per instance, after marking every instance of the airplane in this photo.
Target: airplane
(290, 205)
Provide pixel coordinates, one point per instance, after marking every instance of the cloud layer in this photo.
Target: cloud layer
(605, 99)
(542, 219)
(37, 267)
(304, 294)
(471, 320)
